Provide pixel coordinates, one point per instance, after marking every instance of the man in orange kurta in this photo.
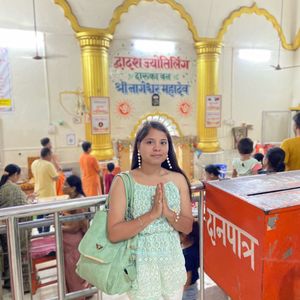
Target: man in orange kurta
(89, 171)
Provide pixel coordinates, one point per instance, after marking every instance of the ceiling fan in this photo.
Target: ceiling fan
(278, 67)
(37, 56)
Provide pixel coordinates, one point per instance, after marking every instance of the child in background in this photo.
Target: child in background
(245, 164)
(108, 178)
(212, 172)
(259, 157)
(190, 247)
(273, 161)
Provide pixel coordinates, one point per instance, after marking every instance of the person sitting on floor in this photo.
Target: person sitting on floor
(259, 157)
(273, 161)
(73, 232)
(212, 172)
(245, 165)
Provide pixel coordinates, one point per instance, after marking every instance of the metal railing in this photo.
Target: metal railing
(200, 199)
(11, 215)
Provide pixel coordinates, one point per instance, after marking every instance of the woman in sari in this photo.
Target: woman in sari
(73, 231)
(12, 195)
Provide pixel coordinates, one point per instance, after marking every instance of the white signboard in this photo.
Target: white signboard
(100, 115)
(213, 111)
(5, 92)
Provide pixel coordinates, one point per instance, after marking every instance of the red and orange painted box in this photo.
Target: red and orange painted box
(252, 236)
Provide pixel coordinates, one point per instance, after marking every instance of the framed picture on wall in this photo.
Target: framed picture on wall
(100, 115)
(71, 139)
(99, 105)
(155, 99)
(100, 124)
(239, 133)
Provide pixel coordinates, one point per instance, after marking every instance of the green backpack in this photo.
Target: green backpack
(108, 266)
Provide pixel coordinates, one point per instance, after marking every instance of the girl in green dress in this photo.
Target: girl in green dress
(161, 208)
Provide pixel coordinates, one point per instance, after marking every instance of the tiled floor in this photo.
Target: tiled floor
(212, 292)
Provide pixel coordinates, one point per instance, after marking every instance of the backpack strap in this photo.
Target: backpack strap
(128, 185)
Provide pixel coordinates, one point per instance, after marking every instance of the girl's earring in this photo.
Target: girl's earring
(139, 159)
(169, 163)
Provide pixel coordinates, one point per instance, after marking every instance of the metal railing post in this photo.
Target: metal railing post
(13, 239)
(59, 258)
(99, 295)
(201, 244)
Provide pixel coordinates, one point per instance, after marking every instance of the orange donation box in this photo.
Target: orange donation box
(252, 236)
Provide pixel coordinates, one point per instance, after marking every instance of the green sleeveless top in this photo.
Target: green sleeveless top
(159, 258)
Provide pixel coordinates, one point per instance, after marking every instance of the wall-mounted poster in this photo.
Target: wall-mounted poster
(71, 139)
(148, 80)
(100, 115)
(213, 111)
(100, 124)
(163, 75)
(6, 104)
(99, 105)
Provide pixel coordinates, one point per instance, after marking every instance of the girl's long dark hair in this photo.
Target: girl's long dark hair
(194, 234)
(9, 170)
(142, 133)
(75, 181)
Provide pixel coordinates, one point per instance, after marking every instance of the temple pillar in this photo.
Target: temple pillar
(94, 56)
(208, 53)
